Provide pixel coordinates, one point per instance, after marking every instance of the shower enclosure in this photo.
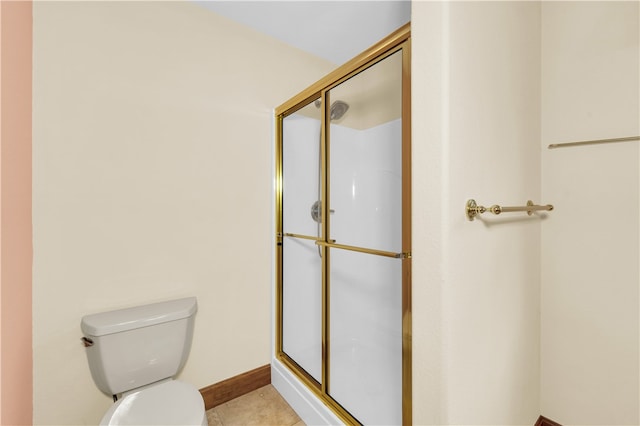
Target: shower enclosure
(343, 249)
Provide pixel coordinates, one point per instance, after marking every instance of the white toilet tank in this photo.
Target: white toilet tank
(134, 347)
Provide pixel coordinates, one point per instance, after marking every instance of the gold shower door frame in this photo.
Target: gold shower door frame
(400, 40)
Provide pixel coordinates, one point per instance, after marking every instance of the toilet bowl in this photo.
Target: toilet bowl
(169, 403)
(134, 355)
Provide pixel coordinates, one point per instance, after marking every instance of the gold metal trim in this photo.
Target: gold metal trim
(364, 59)
(278, 266)
(472, 209)
(407, 357)
(307, 378)
(304, 237)
(325, 126)
(593, 142)
(404, 255)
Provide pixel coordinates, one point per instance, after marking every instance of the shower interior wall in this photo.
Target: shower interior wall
(366, 339)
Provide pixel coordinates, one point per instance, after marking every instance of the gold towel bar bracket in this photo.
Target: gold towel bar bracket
(473, 209)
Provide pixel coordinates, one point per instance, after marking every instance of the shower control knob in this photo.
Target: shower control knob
(316, 211)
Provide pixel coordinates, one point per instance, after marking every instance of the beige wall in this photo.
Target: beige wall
(493, 85)
(15, 214)
(476, 132)
(152, 180)
(590, 268)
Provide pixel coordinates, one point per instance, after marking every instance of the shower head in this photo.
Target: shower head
(338, 109)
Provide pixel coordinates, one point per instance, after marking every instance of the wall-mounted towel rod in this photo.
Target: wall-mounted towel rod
(472, 209)
(593, 142)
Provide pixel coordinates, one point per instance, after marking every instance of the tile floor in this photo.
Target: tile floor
(262, 407)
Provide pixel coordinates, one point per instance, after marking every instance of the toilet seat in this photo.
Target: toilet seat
(168, 403)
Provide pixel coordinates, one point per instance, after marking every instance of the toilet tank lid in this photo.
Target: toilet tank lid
(139, 316)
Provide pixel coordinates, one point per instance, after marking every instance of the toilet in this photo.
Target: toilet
(134, 354)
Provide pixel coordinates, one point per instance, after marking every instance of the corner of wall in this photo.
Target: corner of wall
(16, 252)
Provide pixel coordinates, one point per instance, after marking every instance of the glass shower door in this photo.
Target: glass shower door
(365, 230)
(301, 269)
(343, 237)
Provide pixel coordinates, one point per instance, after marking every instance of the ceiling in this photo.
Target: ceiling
(334, 30)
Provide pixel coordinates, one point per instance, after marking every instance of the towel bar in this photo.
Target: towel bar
(472, 209)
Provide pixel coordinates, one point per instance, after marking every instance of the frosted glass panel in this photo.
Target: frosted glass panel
(301, 262)
(365, 346)
(302, 305)
(366, 159)
(365, 187)
(300, 170)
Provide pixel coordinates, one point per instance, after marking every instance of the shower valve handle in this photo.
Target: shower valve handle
(316, 211)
